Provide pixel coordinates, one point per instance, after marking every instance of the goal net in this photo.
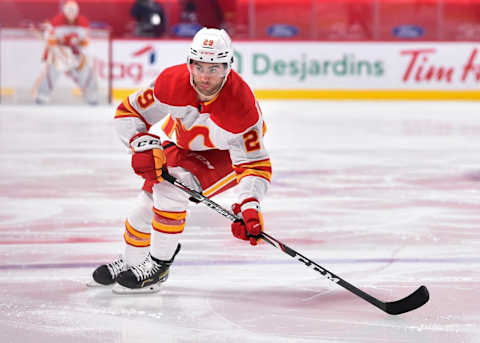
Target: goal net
(21, 66)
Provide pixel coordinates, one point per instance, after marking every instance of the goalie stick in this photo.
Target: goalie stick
(409, 303)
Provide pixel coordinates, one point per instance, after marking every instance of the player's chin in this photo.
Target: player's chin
(206, 87)
(208, 91)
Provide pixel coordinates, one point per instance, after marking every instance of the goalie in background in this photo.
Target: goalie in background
(67, 37)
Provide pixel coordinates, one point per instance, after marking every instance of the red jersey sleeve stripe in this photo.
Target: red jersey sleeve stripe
(169, 126)
(261, 163)
(126, 110)
(261, 169)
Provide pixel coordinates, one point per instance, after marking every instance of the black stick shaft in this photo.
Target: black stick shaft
(411, 302)
(324, 272)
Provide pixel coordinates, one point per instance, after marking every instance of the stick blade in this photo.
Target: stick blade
(418, 298)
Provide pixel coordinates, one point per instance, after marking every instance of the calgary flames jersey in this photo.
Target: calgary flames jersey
(64, 33)
(231, 121)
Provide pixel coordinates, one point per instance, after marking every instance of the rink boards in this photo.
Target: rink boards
(289, 70)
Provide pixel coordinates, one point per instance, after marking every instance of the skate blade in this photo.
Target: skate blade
(119, 289)
(94, 284)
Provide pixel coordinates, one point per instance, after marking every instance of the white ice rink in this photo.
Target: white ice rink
(386, 195)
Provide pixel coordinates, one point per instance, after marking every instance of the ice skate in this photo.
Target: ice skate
(41, 100)
(144, 278)
(107, 274)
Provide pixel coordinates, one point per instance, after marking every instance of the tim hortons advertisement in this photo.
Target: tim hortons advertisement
(308, 65)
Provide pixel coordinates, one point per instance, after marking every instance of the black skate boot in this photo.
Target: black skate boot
(145, 277)
(107, 274)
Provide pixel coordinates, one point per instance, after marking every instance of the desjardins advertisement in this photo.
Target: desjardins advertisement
(306, 66)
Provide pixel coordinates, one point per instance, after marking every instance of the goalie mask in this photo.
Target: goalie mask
(70, 10)
(211, 46)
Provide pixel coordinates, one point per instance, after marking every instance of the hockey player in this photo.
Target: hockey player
(67, 39)
(215, 141)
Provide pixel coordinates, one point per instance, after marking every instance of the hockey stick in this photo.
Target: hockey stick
(409, 303)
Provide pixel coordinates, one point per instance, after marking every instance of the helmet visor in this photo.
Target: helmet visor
(215, 70)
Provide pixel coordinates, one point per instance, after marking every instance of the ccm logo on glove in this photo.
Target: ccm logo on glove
(148, 157)
(143, 141)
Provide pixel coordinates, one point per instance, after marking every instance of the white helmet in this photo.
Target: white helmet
(211, 46)
(70, 10)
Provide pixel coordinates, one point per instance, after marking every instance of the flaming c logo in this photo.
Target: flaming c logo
(185, 137)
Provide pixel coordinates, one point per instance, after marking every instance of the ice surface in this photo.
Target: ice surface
(384, 194)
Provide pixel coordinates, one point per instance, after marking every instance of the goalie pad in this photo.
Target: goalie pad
(61, 60)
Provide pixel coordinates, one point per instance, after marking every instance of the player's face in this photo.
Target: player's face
(70, 10)
(208, 77)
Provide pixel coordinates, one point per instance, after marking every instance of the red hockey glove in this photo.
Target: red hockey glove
(252, 225)
(75, 50)
(148, 186)
(148, 157)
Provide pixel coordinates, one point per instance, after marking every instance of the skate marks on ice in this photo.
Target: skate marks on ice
(387, 199)
(251, 304)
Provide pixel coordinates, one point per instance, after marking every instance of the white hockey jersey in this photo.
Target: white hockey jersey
(231, 121)
(69, 34)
